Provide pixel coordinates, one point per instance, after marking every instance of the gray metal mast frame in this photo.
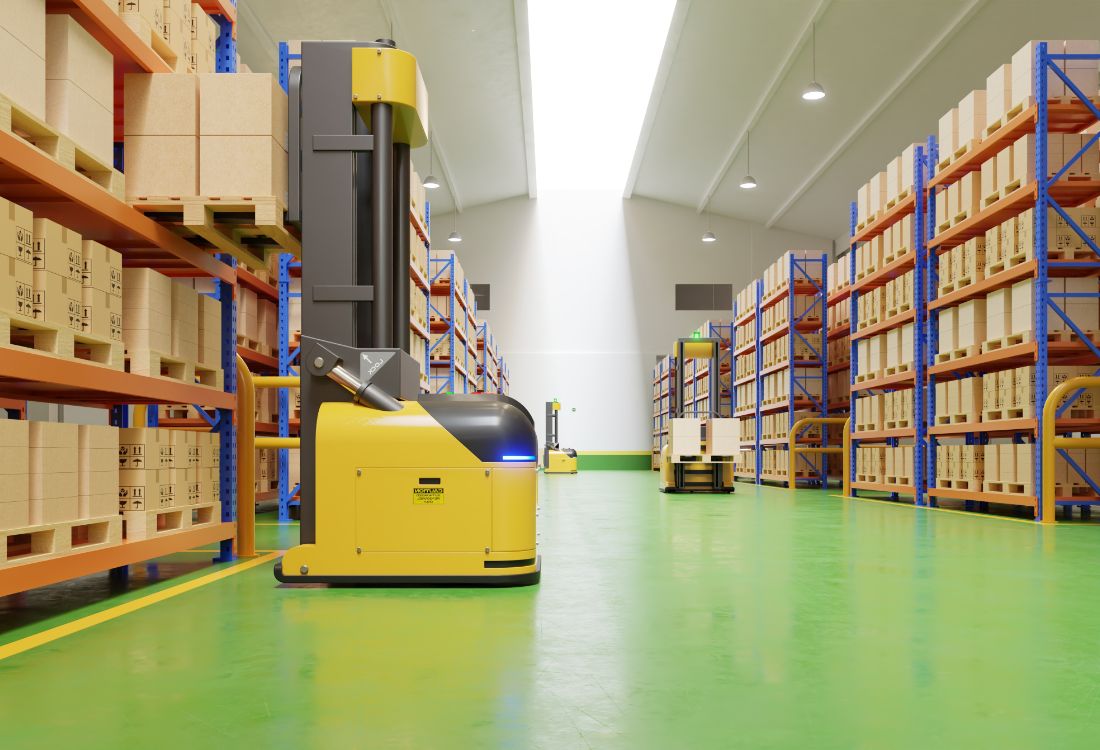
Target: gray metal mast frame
(349, 193)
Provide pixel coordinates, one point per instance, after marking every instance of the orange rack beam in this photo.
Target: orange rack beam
(900, 432)
(253, 357)
(1004, 498)
(890, 271)
(888, 219)
(896, 380)
(885, 325)
(903, 489)
(838, 296)
(31, 178)
(1006, 278)
(251, 281)
(25, 373)
(131, 53)
(18, 578)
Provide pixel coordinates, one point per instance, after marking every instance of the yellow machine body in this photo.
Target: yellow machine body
(400, 499)
(560, 463)
(392, 76)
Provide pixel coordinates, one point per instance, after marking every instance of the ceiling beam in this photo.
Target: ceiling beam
(762, 104)
(390, 12)
(523, 60)
(672, 43)
(918, 65)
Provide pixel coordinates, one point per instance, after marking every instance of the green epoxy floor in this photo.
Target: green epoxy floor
(768, 619)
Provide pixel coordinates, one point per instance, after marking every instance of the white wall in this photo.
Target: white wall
(583, 297)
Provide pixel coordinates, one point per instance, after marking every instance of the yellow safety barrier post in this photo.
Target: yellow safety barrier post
(247, 443)
(1051, 442)
(793, 449)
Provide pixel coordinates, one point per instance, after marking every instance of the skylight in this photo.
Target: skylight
(592, 68)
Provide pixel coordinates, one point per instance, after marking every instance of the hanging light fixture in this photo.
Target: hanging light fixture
(454, 236)
(709, 236)
(430, 182)
(748, 182)
(815, 91)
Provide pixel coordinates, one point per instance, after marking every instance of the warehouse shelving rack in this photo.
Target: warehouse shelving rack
(913, 260)
(33, 179)
(488, 372)
(800, 281)
(749, 317)
(664, 388)
(838, 404)
(1042, 118)
(715, 399)
(452, 348)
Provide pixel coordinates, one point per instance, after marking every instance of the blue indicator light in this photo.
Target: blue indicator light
(517, 458)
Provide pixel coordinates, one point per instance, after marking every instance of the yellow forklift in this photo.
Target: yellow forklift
(702, 446)
(398, 487)
(555, 459)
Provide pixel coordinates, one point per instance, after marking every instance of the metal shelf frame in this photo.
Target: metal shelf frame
(923, 161)
(1047, 306)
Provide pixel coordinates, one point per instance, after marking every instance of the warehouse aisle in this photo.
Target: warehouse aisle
(767, 619)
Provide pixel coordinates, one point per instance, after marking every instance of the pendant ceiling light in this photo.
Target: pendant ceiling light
(815, 91)
(454, 236)
(430, 182)
(709, 236)
(748, 182)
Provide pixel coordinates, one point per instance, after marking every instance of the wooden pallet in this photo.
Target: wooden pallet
(1007, 262)
(250, 228)
(1003, 343)
(47, 338)
(864, 376)
(971, 485)
(1006, 488)
(59, 147)
(898, 369)
(37, 543)
(966, 351)
(158, 364)
(210, 376)
(146, 524)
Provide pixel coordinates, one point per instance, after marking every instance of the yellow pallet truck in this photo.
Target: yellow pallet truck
(555, 459)
(397, 487)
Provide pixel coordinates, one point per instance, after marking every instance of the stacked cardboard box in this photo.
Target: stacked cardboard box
(15, 466)
(185, 322)
(80, 87)
(98, 470)
(23, 50)
(204, 41)
(267, 326)
(242, 135)
(58, 268)
(210, 332)
(161, 128)
(146, 310)
(176, 31)
(54, 472)
(16, 260)
(248, 315)
(101, 291)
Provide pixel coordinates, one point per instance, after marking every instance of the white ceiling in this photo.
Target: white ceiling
(890, 67)
(469, 55)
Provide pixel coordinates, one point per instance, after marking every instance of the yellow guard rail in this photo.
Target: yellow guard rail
(793, 449)
(247, 443)
(1052, 442)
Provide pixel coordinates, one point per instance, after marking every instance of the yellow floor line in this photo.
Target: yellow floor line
(914, 506)
(53, 634)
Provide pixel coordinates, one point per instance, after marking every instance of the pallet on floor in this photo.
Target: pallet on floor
(59, 147)
(146, 524)
(247, 227)
(36, 543)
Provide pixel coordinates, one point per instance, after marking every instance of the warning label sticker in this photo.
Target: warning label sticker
(427, 495)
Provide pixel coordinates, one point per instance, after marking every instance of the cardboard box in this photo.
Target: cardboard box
(72, 54)
(101, 314)
(242, 165)
(98, 470)
(185, 322)
(998, 93)
(161, 104)
(971, 323)
(16, 231)
(150, 12)
(243, 104)
(1023, 318)
(969, 195)
(142, 489)
(23, 74)
(998, 314)
(1005, 164)
(16, 287)
(101, 268)
(907, 166)
(57, 250)
(137, 447)
(162, 166)
(26, 21)
(989, 186)
(972, 118)
(88, 123)
(949, 329)
(57, 301)
(949, 134)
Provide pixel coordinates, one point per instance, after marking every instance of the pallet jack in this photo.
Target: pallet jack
(397, 487)
(701, 447)
(555, 459)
